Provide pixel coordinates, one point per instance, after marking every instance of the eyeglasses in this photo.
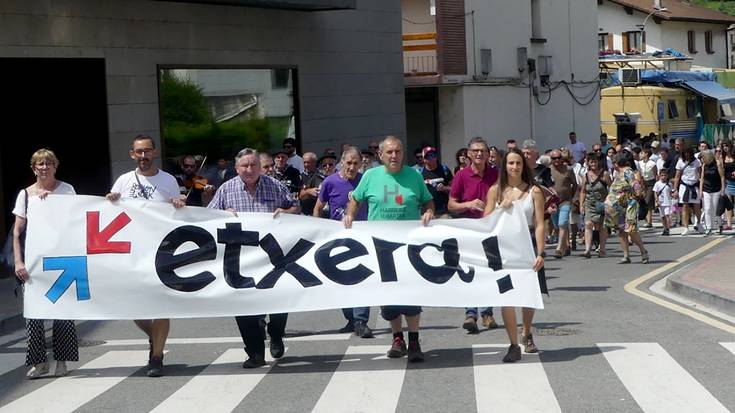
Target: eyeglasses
(144, 151)
(556, 158)
(327, 164)
(597, 150)
(49, 164)
(430, 156)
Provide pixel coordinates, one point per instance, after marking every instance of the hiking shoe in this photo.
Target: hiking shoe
(470, 324)
(155, 367)
(362, 330)
(513, 355)
(528, 345)
(348, 328)
(37, 371)
(277, 348)
(60, 370)
(398, 349)
(489, 322)
(415, 354)
(253, 363)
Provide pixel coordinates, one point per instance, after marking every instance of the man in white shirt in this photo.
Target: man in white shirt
(149, 182)
(289, 145)
(578, 149)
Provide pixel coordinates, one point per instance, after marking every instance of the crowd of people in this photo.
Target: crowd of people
(565, 194)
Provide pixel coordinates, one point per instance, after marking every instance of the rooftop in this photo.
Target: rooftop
(677, 10)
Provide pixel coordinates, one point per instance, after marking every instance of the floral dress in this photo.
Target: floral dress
(594, 198)
(621, 204)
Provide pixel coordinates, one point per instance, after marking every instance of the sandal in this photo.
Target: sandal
(558, 254)
(602, 254)
(587, 254)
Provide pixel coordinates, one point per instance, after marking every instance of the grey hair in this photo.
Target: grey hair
(707, 156)
(351, 149)
(389, 138)
(530, 144)
(310, 155)
(477, 139)
(246, 151)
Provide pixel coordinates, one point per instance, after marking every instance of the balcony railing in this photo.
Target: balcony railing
(419, 54)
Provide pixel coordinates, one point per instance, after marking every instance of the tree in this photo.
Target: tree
(182, 101)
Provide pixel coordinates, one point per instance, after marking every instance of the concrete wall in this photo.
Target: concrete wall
(500, 107)
(613, 19)
(349, 62)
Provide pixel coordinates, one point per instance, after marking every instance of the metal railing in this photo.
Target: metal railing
(419, 54)
(716, 132)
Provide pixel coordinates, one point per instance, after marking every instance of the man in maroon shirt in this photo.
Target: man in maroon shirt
(467, 200)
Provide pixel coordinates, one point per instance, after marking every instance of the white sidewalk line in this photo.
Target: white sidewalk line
(364, 390)
(729, 346)
(656, 381)
(67, 394)
(218, 388)
(504, 387)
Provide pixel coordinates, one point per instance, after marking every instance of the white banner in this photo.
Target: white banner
(90, 259)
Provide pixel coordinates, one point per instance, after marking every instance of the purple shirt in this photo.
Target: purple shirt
(468, 186)
(269, 195)
(335, 192)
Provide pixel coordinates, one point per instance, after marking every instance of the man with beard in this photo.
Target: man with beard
(289, 146)
(565, 186)
(251, 191)
(438, 179)
(335, 192)
(195, 189)
(467, 200)
(150, 183)
(395, 192)
(313, 183)
(287, 174)
(266, 165)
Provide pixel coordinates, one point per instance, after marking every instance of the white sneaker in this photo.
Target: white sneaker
(685, 232)
(61, 369)
(37, 371)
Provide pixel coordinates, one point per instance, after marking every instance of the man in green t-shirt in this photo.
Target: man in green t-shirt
(395, 192)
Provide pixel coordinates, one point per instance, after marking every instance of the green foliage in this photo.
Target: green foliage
(215, 139)
(182, 101)
(725, 6)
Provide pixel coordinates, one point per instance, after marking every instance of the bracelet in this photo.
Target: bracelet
(541, 254)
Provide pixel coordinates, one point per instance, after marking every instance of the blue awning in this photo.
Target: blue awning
(710, 89)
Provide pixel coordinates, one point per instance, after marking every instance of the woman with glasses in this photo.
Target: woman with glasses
(44, 164)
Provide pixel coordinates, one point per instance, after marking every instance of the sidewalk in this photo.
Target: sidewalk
(11, 308)
(710, 280)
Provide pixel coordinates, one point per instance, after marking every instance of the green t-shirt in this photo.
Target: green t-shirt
(392, 197)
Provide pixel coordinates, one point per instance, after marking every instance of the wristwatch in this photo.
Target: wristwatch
(542, 254)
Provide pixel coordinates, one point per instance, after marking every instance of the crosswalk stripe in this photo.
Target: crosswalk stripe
(67, 394)
(729, 346)
(364, 390)
(11, 361)
(503, 387)
(218, 388)
(656, 381)
(227, 340)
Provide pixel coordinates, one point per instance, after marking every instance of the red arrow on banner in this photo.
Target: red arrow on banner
(99, 242)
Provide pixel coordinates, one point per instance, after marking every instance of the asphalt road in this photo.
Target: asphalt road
(602, 350)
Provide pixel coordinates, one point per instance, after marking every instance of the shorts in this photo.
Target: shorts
(730, 188)
(560, 218)
(574, 216)
(664, 211)
(691, 199)
(391, 312)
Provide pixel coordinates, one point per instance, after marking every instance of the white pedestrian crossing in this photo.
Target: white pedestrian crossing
(365, 389)
(656, 381)
(729, 346)
(503, 387)
(67, 394)
(218, 388)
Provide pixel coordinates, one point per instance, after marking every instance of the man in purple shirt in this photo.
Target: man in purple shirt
(467, 200)
(335, 193)
(250, 191)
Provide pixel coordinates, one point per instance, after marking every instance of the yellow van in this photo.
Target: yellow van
(627, 110)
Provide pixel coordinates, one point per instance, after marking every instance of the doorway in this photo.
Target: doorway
(60, 104)
(421, 120)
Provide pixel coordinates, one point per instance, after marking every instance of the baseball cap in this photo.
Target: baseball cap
(428, 149)
(655, 144)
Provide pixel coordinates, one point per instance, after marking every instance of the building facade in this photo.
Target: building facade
(86, 74)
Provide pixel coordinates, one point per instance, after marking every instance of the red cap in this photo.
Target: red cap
(428, 149)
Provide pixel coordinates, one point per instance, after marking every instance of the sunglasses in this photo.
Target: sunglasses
(556, 158)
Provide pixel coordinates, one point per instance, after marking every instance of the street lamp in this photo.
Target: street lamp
(642, 27)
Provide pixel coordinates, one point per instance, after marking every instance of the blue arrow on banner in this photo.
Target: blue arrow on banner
(74, 269)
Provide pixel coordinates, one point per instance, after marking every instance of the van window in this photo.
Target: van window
(673, 110)
(691, 109)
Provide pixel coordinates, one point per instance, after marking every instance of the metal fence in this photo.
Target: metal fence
(714, 133)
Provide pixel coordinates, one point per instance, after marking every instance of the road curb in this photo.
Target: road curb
(700, 294)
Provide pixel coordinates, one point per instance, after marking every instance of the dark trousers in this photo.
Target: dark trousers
(252, 330)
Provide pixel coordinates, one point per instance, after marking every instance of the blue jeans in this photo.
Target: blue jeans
(472, 312)
(357, 314)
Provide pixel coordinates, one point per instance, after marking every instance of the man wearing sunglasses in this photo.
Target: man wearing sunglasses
(438, 179)
(565, 186)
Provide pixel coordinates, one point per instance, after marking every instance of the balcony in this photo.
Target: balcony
(419, 54)
(304, 5)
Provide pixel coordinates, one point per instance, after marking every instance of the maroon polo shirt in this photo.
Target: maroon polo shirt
(468, 186)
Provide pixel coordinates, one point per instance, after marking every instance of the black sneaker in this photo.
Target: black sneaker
(415, 354)
(398, 349)
(665, 233)
(513, 355)
(155, 367)
(348, 328)
(252, 363)
(277, 348)
(362, 330)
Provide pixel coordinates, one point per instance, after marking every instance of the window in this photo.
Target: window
(632, 42)
(673, 110)
(604, 42)
(215, 112)
(536, 32)
(691, 41)
(708, 42)
(691, 108)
